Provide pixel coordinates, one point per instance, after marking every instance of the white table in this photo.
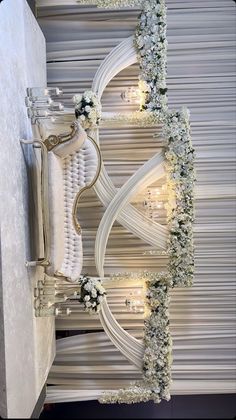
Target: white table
(27, 344)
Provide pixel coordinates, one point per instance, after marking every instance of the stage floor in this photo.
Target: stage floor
(27, 344)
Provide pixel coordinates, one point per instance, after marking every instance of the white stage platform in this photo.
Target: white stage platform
(27, 344)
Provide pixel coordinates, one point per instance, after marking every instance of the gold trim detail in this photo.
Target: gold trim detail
(76, 201)
(54, 140)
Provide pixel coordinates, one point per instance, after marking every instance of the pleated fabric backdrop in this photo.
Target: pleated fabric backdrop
(201, 75)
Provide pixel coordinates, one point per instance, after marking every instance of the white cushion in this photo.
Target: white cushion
(56, 212)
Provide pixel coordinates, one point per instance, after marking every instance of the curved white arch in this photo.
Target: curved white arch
(146, 175)
(149, 231)
(122, 56)
(128, 345)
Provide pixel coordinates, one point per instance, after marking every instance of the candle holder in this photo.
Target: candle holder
(134, 302)
(40, 105)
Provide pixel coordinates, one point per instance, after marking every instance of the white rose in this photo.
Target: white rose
(89, 94)
(88, 287)
(77, 98)
(88, 304)
(93, 114)
(162, 85)
(94, 293)
(87, 298)
(99, 287)
(87, 108)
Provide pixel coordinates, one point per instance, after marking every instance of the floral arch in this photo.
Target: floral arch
(152, 354)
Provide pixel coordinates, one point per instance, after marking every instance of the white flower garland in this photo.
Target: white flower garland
(92, 293)
(151, 45)
(180, 209)
(157, 339)
(137, 118)
(87, 109)
(135, 393)
(157, 358)
(108, 4)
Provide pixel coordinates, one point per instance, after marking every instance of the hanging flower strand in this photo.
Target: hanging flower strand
(151, 45)
(110, 4)
(180, 172)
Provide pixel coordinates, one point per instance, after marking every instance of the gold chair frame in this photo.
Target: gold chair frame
(46, 146)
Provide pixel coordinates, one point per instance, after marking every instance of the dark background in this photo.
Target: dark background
(32, 5)
(179, 407)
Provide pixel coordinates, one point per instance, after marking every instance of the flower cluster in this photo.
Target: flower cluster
(106, 4)
(92, 293)
(157, 359)
(87, 109)
(180, 208)
(151, 45)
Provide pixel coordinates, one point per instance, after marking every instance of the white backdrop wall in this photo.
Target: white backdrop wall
(201, 75)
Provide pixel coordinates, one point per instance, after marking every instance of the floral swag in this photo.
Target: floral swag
(157, 359)
(151, 45)
(180, 210)
(107, 4)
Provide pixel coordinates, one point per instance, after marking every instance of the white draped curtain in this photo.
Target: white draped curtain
(201, 75)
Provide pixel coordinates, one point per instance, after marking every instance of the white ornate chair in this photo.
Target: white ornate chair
(70, 164)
